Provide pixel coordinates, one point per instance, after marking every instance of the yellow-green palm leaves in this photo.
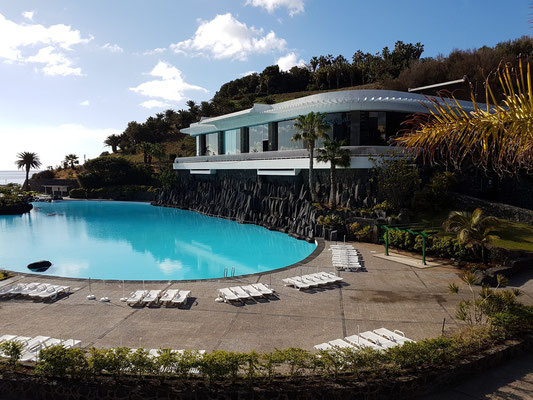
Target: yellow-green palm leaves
(497, 136)
(472, 228)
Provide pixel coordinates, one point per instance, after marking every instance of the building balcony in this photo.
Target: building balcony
(281, 163)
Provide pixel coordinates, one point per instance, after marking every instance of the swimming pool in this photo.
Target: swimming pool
(137, 241)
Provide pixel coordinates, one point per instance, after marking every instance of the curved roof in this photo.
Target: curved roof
(328, 102)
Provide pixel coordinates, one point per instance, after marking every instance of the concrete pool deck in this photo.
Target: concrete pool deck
(389, 294)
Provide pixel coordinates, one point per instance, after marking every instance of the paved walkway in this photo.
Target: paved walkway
(389, 294)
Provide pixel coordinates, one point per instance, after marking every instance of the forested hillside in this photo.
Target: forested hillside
(399, 68)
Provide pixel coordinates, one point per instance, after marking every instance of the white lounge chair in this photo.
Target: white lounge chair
(331, 276)
(181, 298)
(38, 290)
(227, 295)
(56, 291)
(307, 281)
(394, 336)
(321, 279)
(70, 343)
(316, 280)
(30, 287)
(343, 344)
(362, 342)
(152, 297)
(48, 292)
(168, 296)
(5, 290)
(252, 291)
(264, 289)
(297, 284)
(323, 346)
(32, 353)
(241, 294)
(7, 338)
(32, 347)
(136, 297)
(377, 339)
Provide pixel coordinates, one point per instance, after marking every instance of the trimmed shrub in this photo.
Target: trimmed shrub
(59, 361)
(78, 193)
(12, 350)
(446, 247)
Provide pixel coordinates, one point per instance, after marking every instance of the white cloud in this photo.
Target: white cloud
(113, 48)
(154, 104)
(294, 6)
(51, 143)
(243, 74)
(158, 50)
(28, 15)
(85, 103)
(285, 63)
(226, 37)
(55, 62)
(170, 86)
(51, 42)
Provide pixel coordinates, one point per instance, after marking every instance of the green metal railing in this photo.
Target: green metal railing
(414, 229)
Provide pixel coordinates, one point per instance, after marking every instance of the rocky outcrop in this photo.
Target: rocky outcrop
(277, 203)
(14, 209)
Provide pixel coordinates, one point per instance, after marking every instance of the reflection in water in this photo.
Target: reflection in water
(118, 240)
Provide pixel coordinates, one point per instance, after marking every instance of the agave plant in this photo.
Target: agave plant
(497, 136)
(473, 228)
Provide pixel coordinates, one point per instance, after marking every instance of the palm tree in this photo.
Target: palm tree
(498, 137)
(473, 229)
(146, 148)
(309, 128)
(336, 156)
(113, 141)
(27, 160)
(71, 160)
(158, 151)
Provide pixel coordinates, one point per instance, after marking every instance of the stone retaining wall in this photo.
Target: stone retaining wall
(24, 386)
(277, 203)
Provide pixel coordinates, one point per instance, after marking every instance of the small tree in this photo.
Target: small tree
(397, 180)
(310, 128)
(473, 229)
(333, 153)
(146, 149)
(13, 351)
(159, 152)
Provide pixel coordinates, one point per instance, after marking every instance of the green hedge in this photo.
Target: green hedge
(446, 247)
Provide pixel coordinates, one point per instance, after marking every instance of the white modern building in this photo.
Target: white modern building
(259, 138)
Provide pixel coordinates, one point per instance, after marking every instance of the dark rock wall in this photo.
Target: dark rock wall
(278, 203)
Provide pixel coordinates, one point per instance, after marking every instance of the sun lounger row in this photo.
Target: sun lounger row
(312, 280)
(241, 293)
(379, 339)
(346, 258)
(154, 297)
(34, 290)
(32, 346)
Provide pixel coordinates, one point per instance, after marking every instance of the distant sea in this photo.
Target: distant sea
(14, 177)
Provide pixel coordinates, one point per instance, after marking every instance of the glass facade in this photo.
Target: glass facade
(355, 128)
(211, 144)
(258, 138)
(232, 141)
(286, 131)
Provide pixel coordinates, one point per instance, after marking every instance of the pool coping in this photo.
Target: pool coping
(320, 245)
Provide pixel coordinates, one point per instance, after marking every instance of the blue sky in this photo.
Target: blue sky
(73, 72)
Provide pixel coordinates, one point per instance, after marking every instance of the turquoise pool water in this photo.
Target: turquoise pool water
(136, 241)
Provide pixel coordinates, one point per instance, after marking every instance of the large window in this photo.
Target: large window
(258, 138)
(232, 141)
(339, 124)
(211, 144)
(286, 131)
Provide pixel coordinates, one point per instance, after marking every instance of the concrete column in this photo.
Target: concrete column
(245, 140)
(272, 136)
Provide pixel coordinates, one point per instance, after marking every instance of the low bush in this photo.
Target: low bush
(59, 361)
(446, 247)
(12, 351)
(78, 193)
